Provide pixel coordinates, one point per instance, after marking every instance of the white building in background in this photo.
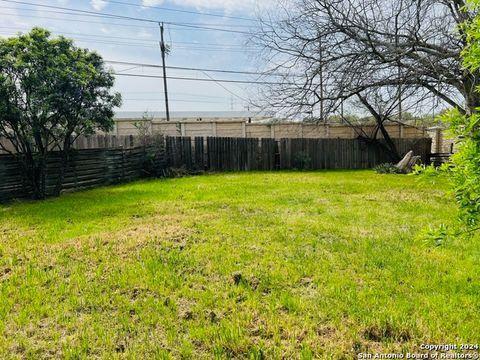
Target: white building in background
(245, 125)
(194, 116)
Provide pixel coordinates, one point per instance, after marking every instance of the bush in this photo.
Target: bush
(386, 168)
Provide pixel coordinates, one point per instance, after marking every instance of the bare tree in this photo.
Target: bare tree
(383, 103)
(331, 52)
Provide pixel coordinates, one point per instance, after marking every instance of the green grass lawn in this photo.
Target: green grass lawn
(258, 265)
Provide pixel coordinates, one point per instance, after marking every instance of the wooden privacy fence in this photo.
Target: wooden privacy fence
(237, 154)
(318, 154)
(244, 154)
(91, 142)
(220, 154)
(97, 167)
(86, 169)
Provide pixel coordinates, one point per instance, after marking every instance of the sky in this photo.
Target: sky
(222, 46)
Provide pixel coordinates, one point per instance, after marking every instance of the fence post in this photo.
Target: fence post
(123, 164)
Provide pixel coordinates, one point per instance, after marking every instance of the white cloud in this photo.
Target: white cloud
(152, 2)
(144, 34)
(98, 4)
(14, 20)
(226, 5)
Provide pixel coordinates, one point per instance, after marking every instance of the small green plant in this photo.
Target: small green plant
(386, 168)
(144, 129)
(431, 170)
(436, 235)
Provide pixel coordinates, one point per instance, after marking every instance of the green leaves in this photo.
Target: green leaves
(464, 168)
(51, 91)
(471, 53)
(437, 235)
(55, 85)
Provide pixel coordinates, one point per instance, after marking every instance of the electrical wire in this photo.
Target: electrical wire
(95, 36)
(149, 26)
(122, 17)
(200, 79)
(190, 68)
(82, 21)
(122, 43)
(224, 87)
(182, 11)
(176, 100)
(174, 93)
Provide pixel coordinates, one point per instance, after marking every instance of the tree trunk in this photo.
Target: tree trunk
(472, 103)
(63, 166)
(392, 149)
(393, 157)
(472, 96)
(34, 175)
(380, 119)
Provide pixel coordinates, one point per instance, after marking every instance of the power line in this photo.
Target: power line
(136, 64)
(190, 68)
(182, 11)
(207, 80)
(86, 12)
(64, 12)
(207, 28)
(122, 17)
(225, 88)
(223, 45)
(76, 14)
(201, 48)
(79, 20)
(174, 93)
(176, 100)
(98, 22)
(122, 43)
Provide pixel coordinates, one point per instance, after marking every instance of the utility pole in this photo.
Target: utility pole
(163, 50)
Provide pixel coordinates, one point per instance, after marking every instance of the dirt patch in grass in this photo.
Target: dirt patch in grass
(387, 332)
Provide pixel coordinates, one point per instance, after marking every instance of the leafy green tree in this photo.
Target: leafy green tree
(50, 93)
(465, 172)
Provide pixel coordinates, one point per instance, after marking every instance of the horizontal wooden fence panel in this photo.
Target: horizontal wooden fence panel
(85, 169)
(96, 167)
